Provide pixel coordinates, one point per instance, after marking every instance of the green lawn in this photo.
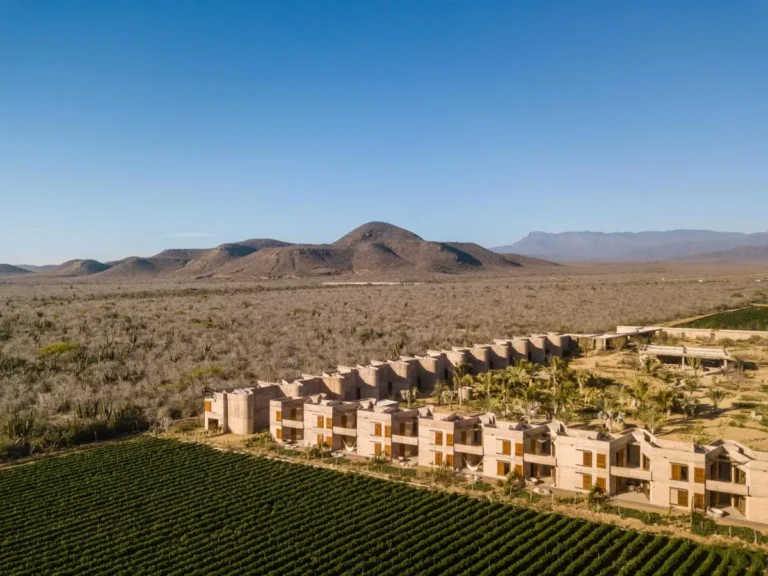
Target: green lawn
(160, 507)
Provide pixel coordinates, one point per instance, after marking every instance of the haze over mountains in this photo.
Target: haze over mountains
(641, 246)
(376, 248)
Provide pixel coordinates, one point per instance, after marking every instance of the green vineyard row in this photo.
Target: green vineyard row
(752, 318)
(158, 506)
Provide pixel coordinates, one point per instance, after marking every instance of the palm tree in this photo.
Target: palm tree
(447, 397)
(461, 377)
(556, 371)
(651, 416)
(529, 401)
(716, 395)
(486, 383)
(490, 404)
(439, 390)
(410, 395)
(611, 407)
(665, 398)
(651, 366)
(584, 378)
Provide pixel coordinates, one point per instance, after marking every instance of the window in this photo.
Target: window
(519, 470)
(449, 460)
(207, 406)
(279, 416)
(377, 429)
(698, 475)
(586, 460)
(329, 441)
(387, 431)
(320, 439)
(344, 421)
(698, 501)
(680, 472)
(293, 413)
(739, 476)
(620, 458)
(601, 462)
(646, 462)
(438, 458)
(329, 423)
(449, 439)
(518, 448)
(377, 449)
(439, 438)
(586, 481)
(506, 447)
(502, 468)
(679, 497)
(388, 450)
(278, 433)
(601, 484)
(320, 421)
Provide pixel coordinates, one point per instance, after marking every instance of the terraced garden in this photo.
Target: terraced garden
(158, 506)
(752, 318)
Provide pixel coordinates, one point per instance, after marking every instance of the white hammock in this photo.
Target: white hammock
(349, 448)
(474, 468)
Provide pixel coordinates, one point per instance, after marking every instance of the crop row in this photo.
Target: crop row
(156, 506)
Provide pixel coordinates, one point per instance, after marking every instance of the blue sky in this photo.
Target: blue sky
(127, 127)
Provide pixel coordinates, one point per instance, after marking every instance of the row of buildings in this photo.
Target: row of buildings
(353, 410)
(632, 465)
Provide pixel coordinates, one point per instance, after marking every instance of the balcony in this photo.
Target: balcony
(409, 440)
(476, 449)
(545, 459)
(344, 431)
(288, 423)
(728, 487)
(634, 472)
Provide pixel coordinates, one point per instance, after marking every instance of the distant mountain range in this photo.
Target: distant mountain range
(374, 249)
(641, 246)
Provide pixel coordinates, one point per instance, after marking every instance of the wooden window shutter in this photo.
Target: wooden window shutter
(449, 460)
(698, 475)
(320, 439)
(499, 468)
(682, 497)
(387, 431)
(586, 460)
(388, 450)
(377, 429)
(438, 458)
(320, 422)
(676, 472)
(601, 484)
(329, 423)
(439, 438)
(449, 439)
(278, 416)
(698, 501)
(519, 469)
(601, 461)
(279, 433)
(377, 449)
(506, 447)
(586, 481)
(518, 448)
(207, 406)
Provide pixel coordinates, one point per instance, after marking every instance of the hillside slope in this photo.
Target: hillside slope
(76, 268)
(10, 270)
(134, 267)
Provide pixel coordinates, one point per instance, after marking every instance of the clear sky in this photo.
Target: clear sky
(130, 126)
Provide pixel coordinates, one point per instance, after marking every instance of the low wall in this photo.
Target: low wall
(702, 333)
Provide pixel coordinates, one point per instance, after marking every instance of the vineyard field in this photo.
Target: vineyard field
(154, 506)
(752, 318)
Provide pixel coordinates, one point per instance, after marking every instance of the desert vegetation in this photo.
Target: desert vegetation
(194, 509)
(85, 361)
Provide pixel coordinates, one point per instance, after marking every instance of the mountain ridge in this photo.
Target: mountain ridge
(629, 246)
(375, 248)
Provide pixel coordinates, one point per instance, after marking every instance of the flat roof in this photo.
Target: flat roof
(688, 352)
